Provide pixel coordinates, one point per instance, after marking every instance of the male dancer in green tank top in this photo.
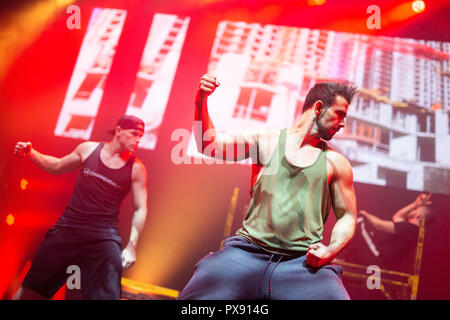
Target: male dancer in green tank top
(297, 178)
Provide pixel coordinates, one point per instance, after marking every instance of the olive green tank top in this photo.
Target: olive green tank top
(289, 204)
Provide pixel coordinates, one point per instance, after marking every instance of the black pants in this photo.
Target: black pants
(97, 259)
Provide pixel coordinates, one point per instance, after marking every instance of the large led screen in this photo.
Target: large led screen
(397, 128)
(86, 87)
(157, 67)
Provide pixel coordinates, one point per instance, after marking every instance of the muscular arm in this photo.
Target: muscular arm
(227, 146)
(53, 164)
(139, 192)
(344, 207)
(344, 204)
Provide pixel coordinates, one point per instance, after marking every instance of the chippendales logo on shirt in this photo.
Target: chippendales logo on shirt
(89, 172)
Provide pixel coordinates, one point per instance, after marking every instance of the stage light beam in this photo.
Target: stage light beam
(404, 11)
(21, 28)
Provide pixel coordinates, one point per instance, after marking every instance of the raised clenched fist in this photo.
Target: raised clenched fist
(23, 149)
(208, 83)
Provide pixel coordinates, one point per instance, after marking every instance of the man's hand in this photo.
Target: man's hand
(23, 149)
(208, 83)
(364, 213)
(319, 254)
(128, 256)
(422, 200)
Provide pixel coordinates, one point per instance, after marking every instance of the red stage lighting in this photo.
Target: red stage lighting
(316, 2)
(23, 184)
(405, 11)
(418, 6)
(10, 220)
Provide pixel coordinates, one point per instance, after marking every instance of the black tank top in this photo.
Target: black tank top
(98, 193)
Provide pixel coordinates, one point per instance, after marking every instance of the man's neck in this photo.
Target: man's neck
(116, 150)
(311, 138)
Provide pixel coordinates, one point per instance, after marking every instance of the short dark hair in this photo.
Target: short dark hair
(327, 92)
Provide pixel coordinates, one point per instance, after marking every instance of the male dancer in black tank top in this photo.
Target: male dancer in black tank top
(87, 233)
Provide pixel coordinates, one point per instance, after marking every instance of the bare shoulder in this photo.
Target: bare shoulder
(138, 165)
(268, 135)
(254, 133)
(139, 170)
(337, 157)
(340, 165)
(84, 149)
(267, 143)
(270, 132)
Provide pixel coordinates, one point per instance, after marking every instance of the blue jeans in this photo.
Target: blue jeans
(242, 270)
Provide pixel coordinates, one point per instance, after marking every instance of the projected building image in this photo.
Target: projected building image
(86, 88)
(397, 129)
(148, 99)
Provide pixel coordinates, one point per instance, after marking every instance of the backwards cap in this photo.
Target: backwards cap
(129, 122)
